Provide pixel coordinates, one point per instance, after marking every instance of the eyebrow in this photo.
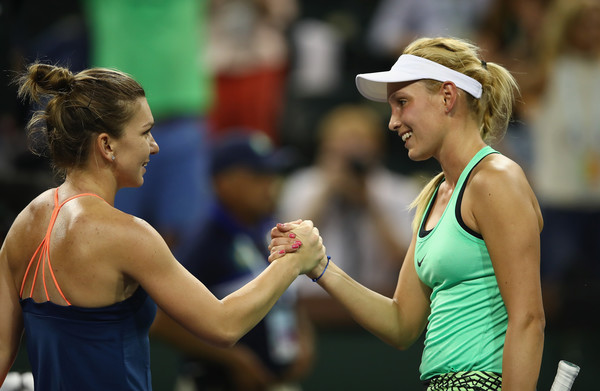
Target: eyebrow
(395, 95)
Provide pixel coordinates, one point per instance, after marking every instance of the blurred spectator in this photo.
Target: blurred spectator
(360, 207)
(328, 43)
(511, 35)
(162, 45)
(249, 55)
(230, 250)
(566, 160)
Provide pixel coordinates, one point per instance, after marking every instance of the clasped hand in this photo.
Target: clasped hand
(299, 240)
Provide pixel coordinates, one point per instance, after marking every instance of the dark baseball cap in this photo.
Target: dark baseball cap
(250, 149)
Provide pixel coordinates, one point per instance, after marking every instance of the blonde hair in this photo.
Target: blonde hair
(492, 111)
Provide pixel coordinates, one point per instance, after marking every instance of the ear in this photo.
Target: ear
(449, 93)
(104, 145)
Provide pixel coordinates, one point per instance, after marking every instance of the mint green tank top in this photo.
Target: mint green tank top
(468, 319)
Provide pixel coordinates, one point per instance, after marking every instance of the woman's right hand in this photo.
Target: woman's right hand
(300, 241)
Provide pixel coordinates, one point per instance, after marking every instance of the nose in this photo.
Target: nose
(153, 145)
(394, 125)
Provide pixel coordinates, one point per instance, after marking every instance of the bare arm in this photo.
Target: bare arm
(507, 215)
(11, 321)
(189, 302)
(398, 321)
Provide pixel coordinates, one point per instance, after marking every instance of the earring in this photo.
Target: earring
(113, 158)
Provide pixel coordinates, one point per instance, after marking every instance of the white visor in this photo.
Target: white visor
(373, 86)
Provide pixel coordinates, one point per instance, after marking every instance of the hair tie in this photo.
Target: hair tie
(323, 272)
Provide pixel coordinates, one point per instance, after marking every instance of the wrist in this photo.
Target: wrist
(319, 271)
(288, 265)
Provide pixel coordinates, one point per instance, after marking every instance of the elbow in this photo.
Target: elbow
(403, 342)
(223, 339)
(538, 320)
(224, 336)
(534, 321)
(542, 322)
(402, 347)
(227, 342)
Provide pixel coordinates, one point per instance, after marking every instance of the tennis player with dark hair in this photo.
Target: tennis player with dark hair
(471, 276)
(80, 277)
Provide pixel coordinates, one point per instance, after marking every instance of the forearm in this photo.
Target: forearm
(243, 309)
(378, 314)
(522, 356)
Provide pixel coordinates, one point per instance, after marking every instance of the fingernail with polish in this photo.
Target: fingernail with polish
(282, 251)
(292, 235)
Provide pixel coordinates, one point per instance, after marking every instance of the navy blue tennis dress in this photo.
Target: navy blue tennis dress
(72, 348)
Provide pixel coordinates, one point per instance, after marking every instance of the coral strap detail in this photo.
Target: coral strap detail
(42, 254)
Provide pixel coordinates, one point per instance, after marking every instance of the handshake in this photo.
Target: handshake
(300, 241)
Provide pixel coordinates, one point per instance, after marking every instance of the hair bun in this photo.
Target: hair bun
(52, 79)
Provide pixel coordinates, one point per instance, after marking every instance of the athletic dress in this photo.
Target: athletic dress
(468, 320)
(72, 348)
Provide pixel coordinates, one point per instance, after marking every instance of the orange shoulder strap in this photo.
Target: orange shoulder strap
(43, 251)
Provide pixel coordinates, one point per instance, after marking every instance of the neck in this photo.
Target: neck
(82, 181)
(457, 151)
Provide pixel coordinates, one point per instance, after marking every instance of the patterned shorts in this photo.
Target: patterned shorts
(465, 381)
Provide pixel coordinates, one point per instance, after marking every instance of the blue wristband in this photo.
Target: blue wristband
(323, 272)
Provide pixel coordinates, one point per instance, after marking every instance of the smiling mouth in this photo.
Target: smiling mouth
(406, 136)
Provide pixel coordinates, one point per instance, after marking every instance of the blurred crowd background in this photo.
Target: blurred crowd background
(282, 71)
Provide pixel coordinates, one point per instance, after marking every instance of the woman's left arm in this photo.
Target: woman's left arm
(507, 215)
(11, 319)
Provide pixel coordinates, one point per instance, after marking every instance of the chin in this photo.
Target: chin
(415, 157)
(135, 184)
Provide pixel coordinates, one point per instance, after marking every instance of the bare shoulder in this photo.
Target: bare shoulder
(117, 245)
(101, 224)
(500, 184)
(499, 175)
(497, 170)
(29, 226)
(39, 208)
